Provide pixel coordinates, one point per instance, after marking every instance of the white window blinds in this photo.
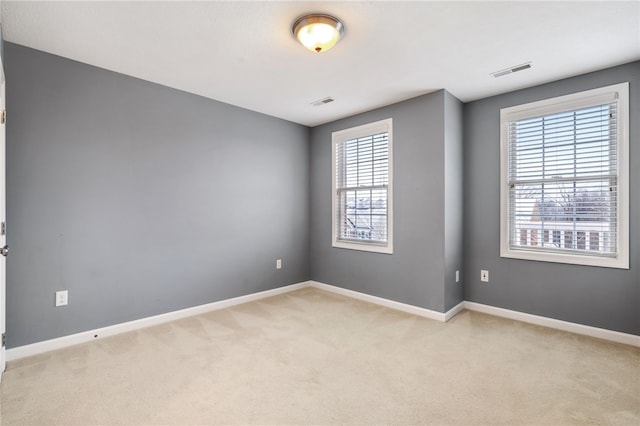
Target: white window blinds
(362, 186)
(563, 181)
(563, 176)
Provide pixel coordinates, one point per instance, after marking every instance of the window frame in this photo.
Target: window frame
(575, 101)
(341, 136)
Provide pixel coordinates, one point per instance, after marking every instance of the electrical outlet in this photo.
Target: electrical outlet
(457, 276)
(484, 276)
(62, 298)
(279, 264)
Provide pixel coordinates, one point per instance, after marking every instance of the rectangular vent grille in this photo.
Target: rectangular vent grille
(512, 69)
(322, 101)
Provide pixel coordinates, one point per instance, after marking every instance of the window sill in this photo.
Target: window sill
(620, 262)
(386, 249)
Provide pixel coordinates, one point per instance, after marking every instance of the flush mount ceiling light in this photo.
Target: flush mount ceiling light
(317, 32)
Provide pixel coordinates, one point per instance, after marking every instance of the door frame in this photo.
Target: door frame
(3, 212)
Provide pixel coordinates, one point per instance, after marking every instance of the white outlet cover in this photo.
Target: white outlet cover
(484, 276)
(62, 298)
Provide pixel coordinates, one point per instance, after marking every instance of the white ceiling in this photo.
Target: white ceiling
(242, 52)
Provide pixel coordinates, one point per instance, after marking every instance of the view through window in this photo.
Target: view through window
(362, 187)
(563, 179)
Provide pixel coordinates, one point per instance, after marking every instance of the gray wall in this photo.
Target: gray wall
(415, 272)
(601, 297)
(140, 199)
(453, 200)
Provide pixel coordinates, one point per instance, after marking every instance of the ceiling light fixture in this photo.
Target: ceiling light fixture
(317, 32)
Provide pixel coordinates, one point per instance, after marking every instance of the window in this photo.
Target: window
(565, 179)
(362, 189)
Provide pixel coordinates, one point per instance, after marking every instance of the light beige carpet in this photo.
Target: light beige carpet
(312, 357)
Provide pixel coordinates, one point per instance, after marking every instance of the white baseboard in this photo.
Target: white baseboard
(585, 330)
(86, 336)
(454, 311)
(404, 307)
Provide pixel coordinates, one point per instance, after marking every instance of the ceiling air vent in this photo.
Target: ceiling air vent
(322, 101)
(512, 69)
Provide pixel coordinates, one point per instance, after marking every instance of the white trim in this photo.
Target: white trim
(566, 103)
(3, 217)
(398, 306)
(585, 330)
(87, 336)
(337, 137)
(454, 311)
